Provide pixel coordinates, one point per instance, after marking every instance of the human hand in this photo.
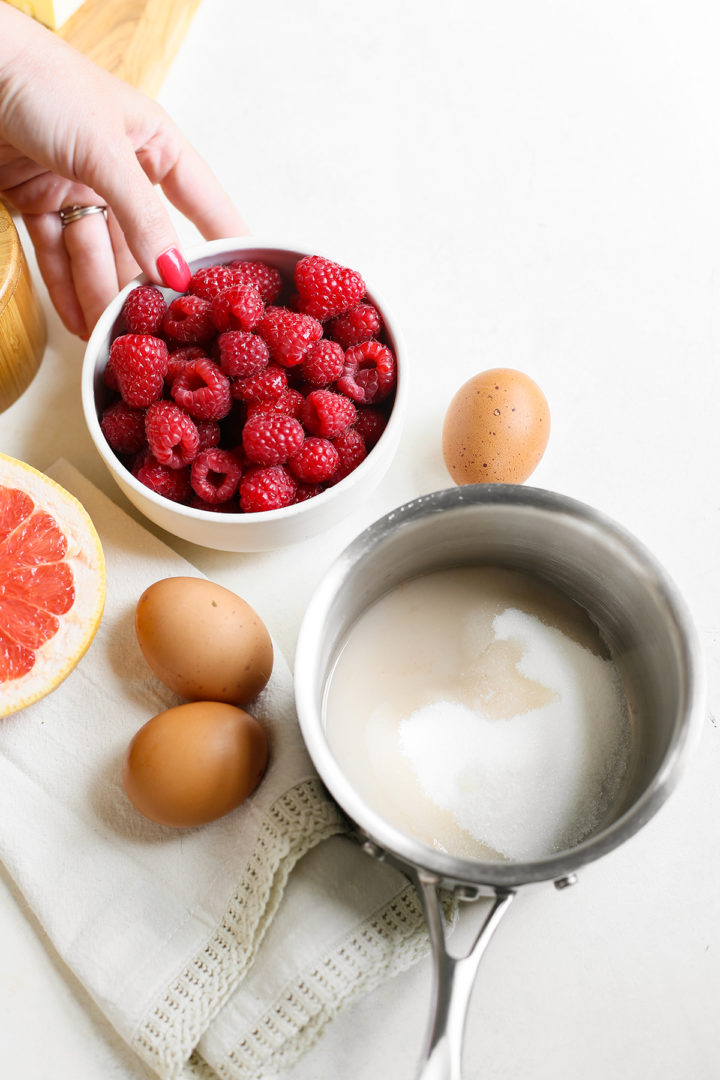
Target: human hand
(72, 134)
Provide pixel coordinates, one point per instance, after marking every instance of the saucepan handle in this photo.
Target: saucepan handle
(453, 979)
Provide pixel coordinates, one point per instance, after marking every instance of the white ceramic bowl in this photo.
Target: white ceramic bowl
(242, 532)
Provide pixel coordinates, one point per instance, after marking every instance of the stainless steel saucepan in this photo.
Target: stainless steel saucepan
(639, 615)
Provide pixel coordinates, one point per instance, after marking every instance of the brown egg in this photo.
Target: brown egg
(203, 641)
(496, 428)
(194, 763)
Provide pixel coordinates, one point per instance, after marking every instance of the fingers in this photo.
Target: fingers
(82, 265)
(142, 218)
(92, 265)
(45, 232)
(127, 185)
(192, 187)
(125, 264)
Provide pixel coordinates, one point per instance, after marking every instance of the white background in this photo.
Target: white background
(532, 184)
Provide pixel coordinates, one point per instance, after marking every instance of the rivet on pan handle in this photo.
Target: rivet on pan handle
(453, 981)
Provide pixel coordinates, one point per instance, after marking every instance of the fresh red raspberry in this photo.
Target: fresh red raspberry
(266, 489)
(303, 492)
(179, 358)
(171, 434)
(238, 308)
(326, 413)
(356, 325)
(315, 461)
(266, 279)
(209, 281)
(323, 363)
(171, 483)
(288, 335)
(326, 288)
(139, 362)
(370, 423)
(124, 428)
(270, 437)
(369, 374)
(203, 390)
(266, 386)
(351, 451)
(144, 310)
(242, 354)
(215, 475)
(189, 320)
(110, 376)
(289, 402)
(209, 433)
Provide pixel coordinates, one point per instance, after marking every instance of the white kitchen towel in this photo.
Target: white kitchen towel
(164, 926)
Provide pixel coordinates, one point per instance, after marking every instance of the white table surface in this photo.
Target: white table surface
(533, 185)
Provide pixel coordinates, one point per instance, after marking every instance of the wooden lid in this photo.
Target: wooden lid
(10, 257)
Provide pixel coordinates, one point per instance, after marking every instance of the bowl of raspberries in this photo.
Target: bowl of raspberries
(255, 409)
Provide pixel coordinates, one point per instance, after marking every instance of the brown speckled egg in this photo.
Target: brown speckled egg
(203, 641)
(194, 763)
(496, 428)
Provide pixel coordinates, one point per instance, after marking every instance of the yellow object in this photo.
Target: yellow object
(23, 332)
(53, 13)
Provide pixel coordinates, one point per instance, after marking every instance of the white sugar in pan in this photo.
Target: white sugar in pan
(497, 685)
(494, 724)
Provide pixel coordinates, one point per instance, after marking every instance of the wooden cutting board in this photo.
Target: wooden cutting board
(137, 40)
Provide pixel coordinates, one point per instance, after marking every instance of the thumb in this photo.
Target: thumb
(144, 220)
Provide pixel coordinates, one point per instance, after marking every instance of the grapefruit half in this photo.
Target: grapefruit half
(52, 584)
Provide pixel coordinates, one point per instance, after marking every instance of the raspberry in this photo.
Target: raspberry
(242, 354)
(144, 310)
(124, 428)
(266, 279)
(171, 483)
(139, 362)
(351, 451)
(315, 461)
(238, 308)
(303, 492)
(189, 320)
(357, 325)
(370, 423)
(203, 390)
(209, 281)
(327, 414)
(266, 489)
(209, 433)
(270, 438)
(323, 363)
(326, 288)
(172, 436)
(288, 335)
(178, 360)
(110, 376)
(215, 475)
(369, 372)
(289, 402)
(266, 386)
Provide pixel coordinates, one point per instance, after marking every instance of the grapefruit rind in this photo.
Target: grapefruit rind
(58, 656)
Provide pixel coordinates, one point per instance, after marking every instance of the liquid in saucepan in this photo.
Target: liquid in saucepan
(479, 710)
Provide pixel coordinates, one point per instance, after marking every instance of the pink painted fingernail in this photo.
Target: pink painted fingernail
(173, 269)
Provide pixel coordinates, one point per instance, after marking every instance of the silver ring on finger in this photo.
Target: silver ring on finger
(69, 214)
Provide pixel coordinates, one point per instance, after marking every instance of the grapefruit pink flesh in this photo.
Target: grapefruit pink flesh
(52, 584)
